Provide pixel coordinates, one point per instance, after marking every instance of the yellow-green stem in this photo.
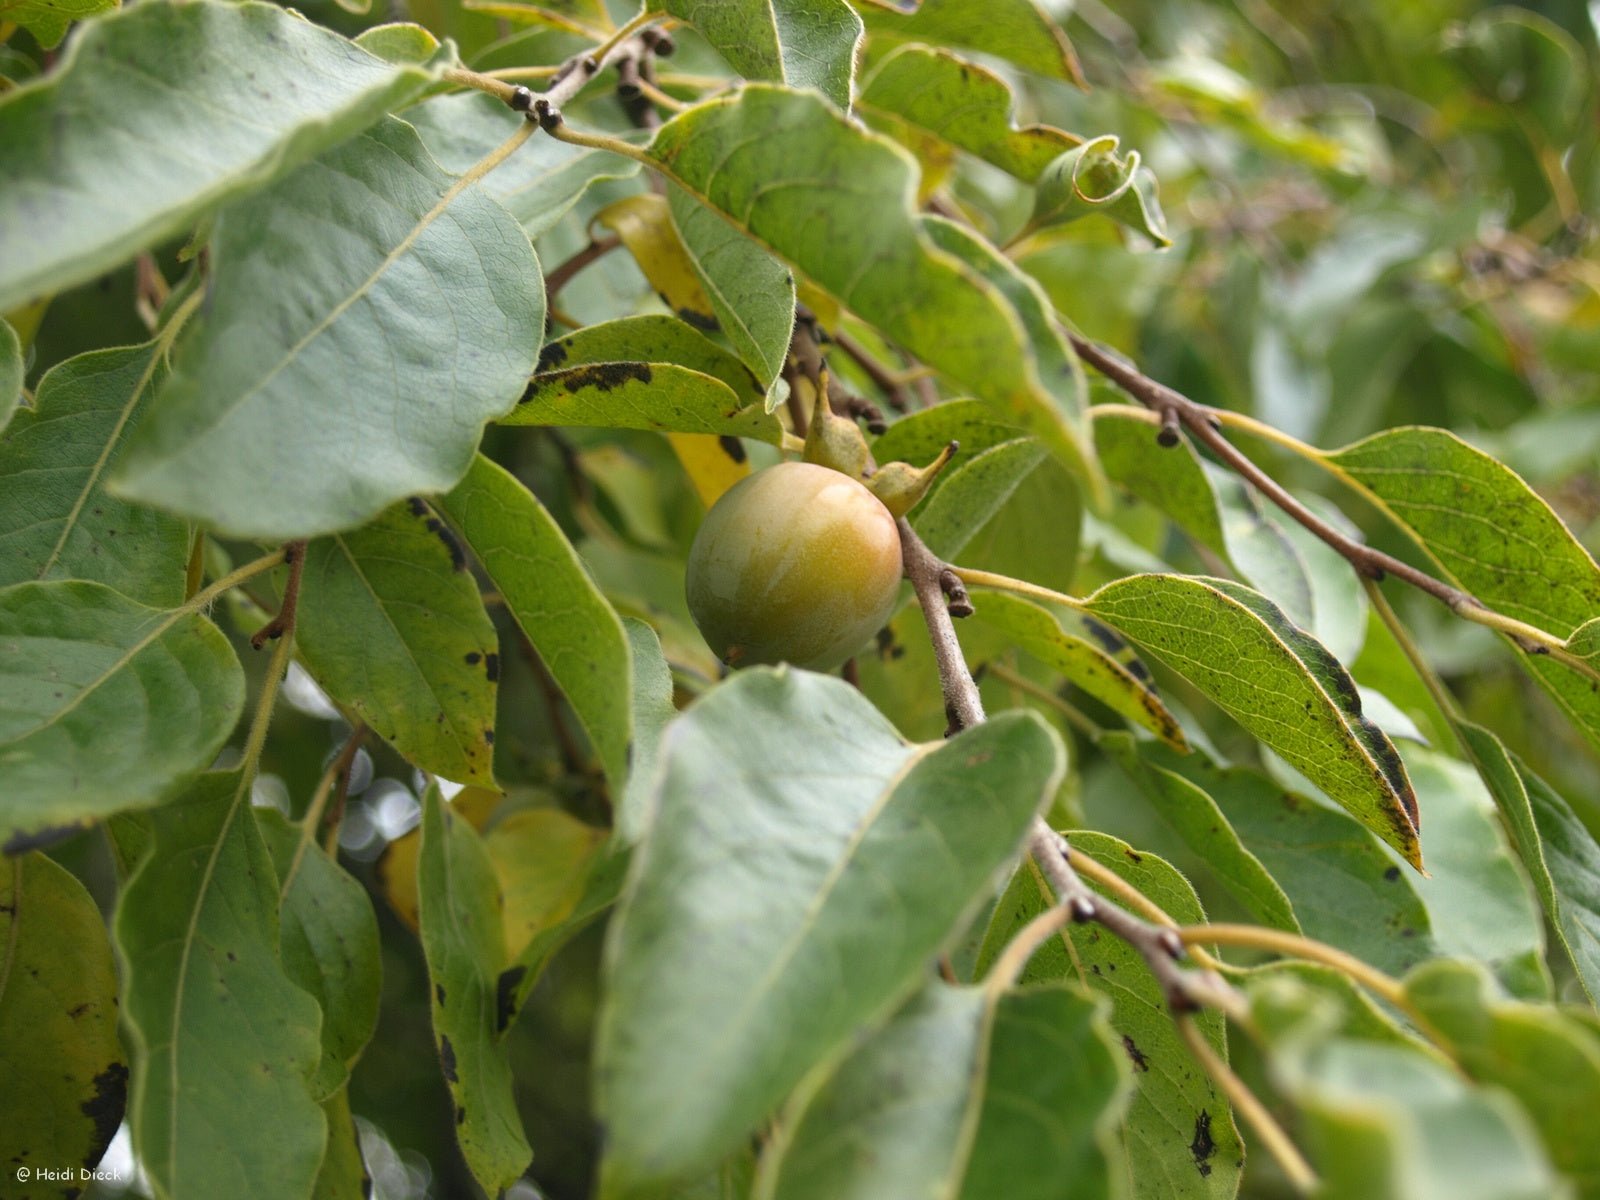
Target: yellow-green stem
(1248, 1105)
(1020, 587)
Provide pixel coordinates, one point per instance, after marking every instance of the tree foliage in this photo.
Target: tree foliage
(1216, 812)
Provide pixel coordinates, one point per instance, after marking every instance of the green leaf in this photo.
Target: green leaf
(64, 524)
(1346, 889)
(751, 292)
(967, 1092)
(650, 372)
(1019, 31)
(164, 149)
(328, 937)
(919, 436)
(11, 372)
(225, 1043)
(58, 1022)
(538, 184)
(549, 594)
(1123, 686)
(1585, 642)
(1172, 478)
(78, 659)
(364, 319)
(391, 625)
(654, 337)
(1276, 681)
(1493, 534)
(971, 492)
(1547, 1060)
(1179, 1131)
(963, 104)
(652, 709)
(848, 867)
(809, 185)
(804, 43)
(1382, 1122)
(1095, 178)
(465, 949)
(1478, 902)
(662, 397)
(1063, 426)
(1195, 818)
(49, 20)
(343, 1175)
(1557, 850)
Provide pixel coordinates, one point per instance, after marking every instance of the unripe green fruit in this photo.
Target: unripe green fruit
(796, 563)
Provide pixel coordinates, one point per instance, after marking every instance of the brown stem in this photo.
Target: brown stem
(1160, 947)
(894, 391)
(1177, 410)
(562, 273)
(294, 553)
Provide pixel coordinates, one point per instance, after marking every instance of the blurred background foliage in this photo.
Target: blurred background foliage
(1381, 214)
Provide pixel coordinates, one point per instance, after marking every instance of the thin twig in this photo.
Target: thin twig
(890, 384)
(294, 553)
(1175, 409)
(336, 777)
(963, 706)
(563, 272)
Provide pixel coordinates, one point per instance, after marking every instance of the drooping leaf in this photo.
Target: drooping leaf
(1383, 1122)
(538, 184)
(1172, 478)
(1019, 31)
(1095, 178)
(1124, 687)
(58, 1023)
(82, 196)
(225, 1043)
(63, 523)
(1556, 848)
(1179, 1131)
(1493, 534)
(793, 173)
(602, 884)
(963, 104)
(644, 223)
(365, 318)
(77, 659)
(543, 859)
(1276, 681)
(753, 831)
(751, 293)
(549, 594)
(969, 1091)
(1547, 1060)
(1195, 817)
(804, 43)
(465, 948)
(328, 937)
(391, 625)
